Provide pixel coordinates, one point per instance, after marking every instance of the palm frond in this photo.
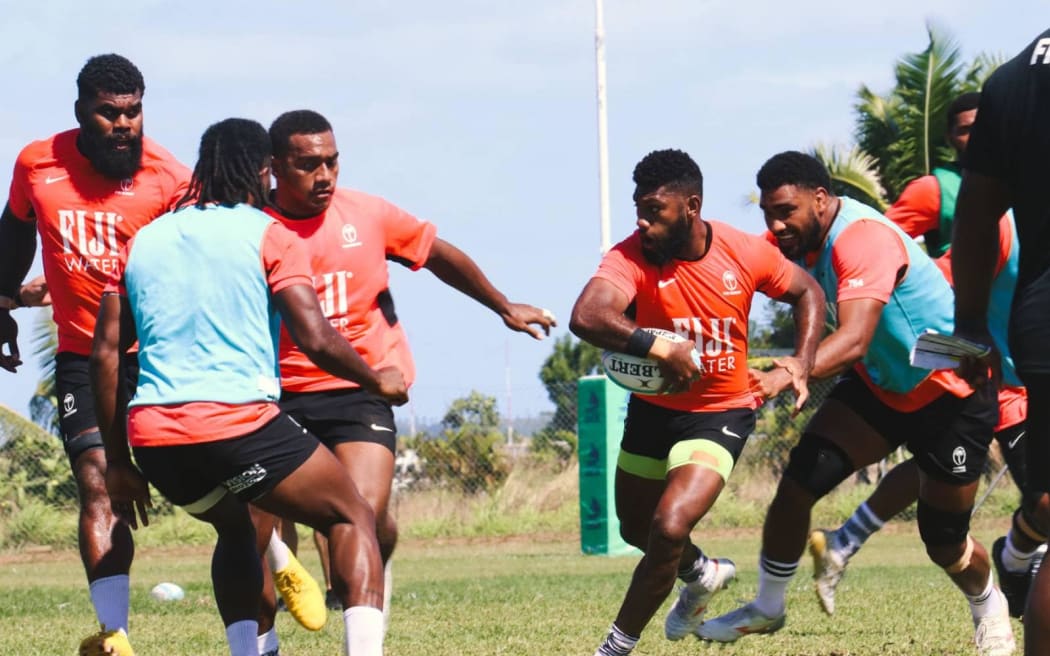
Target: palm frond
(977, 72)
(878, 122)
(926, 85)
(854, 173)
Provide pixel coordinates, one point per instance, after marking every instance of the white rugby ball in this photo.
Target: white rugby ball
(167, 592)
(640, 375)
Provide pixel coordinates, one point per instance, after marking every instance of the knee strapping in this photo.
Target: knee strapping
(940, 528)
(818, 465)
(964, 560)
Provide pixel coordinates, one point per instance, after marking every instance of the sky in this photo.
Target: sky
(480, 116)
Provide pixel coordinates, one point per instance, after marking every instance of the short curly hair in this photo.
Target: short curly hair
(793, 168)
(299, 121)
(667, 168)
(109, 74)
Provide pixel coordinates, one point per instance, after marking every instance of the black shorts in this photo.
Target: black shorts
(248, 466)
(77, 422)
(344, 415)
(652, 431)
(949, 436)
(1030, 327)
(1012, 444)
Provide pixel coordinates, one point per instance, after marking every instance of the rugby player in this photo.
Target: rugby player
(1006, 167)
(350, 237)
(696, 277)
(86, 191)
(201, 289)
(885, 291)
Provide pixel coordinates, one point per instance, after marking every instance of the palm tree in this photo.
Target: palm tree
(901, 135)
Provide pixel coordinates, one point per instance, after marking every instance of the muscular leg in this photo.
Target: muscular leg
(690, 492)
(637, 499)
(371, 468)
(972, 577)
(320, 494)
(106, 546)
(237, 575)
(897, 490)
(264, 524)
(786, 528)
(1037, 612)
(286, 528)
(322, 552)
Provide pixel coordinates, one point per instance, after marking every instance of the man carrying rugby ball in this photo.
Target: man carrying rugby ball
(695, 277)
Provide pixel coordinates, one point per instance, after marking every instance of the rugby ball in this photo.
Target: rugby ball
(167, 592)
(640, 375)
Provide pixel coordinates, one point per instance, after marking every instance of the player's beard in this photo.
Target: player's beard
(107, 160)
(677, 239)
(806, 240)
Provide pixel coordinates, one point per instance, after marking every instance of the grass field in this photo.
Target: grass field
(527, 595)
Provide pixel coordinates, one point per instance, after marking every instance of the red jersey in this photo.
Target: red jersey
(349, 245)
(84, 219)
(285, 264)
(706, 300)
(918, 209)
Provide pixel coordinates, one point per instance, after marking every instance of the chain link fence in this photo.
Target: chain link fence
(470, 454)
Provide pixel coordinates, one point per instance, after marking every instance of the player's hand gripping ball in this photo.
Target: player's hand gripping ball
(640, 375)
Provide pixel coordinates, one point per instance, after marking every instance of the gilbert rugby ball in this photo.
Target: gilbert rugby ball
(640, 375)
(167, 592)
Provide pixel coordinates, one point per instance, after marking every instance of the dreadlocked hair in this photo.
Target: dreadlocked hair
(299, 121)
(232, 153)
(668, 168)
(109, 74)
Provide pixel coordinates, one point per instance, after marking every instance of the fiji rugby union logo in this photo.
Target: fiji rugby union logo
(350, 236)
(729, 281)
(959, 460)
(126, 186)
(69, 405)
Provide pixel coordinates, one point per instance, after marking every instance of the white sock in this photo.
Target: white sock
(278, 555)
(857, 529)
(773, 580)
(242, 638)
(109, 596)
(363, 626)
(709, 574)
(1015, 560)
(989, 602)
(616, 643)
(268, 644)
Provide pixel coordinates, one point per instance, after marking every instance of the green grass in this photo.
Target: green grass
(511, 596)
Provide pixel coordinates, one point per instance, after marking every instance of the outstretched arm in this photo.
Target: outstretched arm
(456, 269)
(808, 300)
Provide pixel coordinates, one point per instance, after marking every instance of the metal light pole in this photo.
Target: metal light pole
(603, 126)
